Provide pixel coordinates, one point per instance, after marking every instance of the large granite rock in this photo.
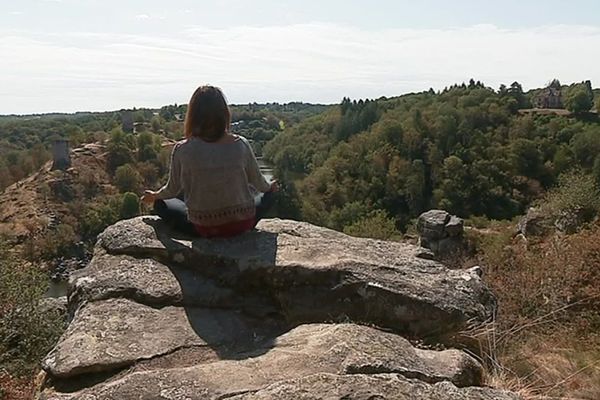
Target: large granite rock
(369, 387)
(571, 220)
(111, 334)
(313, 274)
(431, 224)
(156, 315)
(342, 350)
(441, 232)
(146, 281)
(540, 221)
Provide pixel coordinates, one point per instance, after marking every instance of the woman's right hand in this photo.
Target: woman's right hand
(149, 197)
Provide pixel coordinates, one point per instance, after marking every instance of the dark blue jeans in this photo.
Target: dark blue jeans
(174, 211)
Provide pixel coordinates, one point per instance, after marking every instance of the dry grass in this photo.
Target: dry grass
(26, 205)
(539, 366)
(12, 388)
(545, 342)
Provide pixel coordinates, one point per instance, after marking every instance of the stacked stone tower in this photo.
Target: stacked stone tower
(60, 154)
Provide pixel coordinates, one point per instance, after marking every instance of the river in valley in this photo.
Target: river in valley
(266, 168)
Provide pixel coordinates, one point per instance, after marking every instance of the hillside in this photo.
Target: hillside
(467, 150)
(49, 220)
(38, 202)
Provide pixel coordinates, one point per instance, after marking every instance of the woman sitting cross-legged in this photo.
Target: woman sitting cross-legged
(214, 175)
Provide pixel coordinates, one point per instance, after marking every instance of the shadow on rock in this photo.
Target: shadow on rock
(236, 323)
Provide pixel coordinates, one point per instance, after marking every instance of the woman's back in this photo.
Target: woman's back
(214, 169)
(215, 179)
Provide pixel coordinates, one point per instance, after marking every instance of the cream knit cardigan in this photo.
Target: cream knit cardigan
(216, 179)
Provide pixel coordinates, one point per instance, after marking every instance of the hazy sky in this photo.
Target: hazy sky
(76, 55)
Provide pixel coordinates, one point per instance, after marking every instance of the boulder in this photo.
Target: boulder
(455, 226)
(441, 232)
(53, 305)
(338, 349)
(280, 312)
(144, 280)
(431, 224)
(313, 274)
(111, 334)
(571, 220)
(450, 246)
(539, 222)
(534, 223)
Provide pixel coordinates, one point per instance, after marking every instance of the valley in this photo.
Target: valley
(367, 168)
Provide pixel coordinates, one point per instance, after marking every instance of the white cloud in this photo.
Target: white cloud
(312, 62)
(143, 17)
(16, 13)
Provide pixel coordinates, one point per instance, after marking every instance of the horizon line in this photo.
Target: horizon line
(135, 108)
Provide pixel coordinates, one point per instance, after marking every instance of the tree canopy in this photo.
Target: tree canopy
(466, 149)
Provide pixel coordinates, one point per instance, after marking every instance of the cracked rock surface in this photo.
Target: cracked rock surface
(289, 311)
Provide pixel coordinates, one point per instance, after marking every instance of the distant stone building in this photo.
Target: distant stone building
(127, 121)
(550, 97)
(60, 154)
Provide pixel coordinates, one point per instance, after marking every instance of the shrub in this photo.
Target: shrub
(148, 146)
(349, 214)
(377, 225)
(100, 215)
(27, 332)
(478, 221)
(89, 183)
(127, 179)
(53, 243)
(576, 192)
(130, 206)
(119, 149)
(149, 172)
(548, 319)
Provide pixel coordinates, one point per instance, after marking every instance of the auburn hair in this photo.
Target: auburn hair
(208, 116)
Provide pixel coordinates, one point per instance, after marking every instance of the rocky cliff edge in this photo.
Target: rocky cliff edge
(287, 311)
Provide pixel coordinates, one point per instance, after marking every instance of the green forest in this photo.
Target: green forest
(468, 149)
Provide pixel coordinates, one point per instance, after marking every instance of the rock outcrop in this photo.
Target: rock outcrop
(287, 311)
(441, 232)
(540, 221)
(534, 223)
